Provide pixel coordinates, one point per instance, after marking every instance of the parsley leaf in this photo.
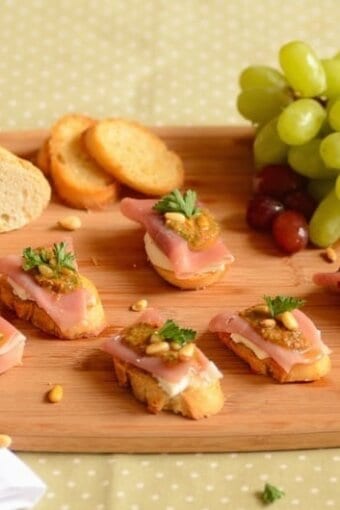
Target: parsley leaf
(170, 331)
(280, 304)
(176, 202)
(271, 493)
(33, 258)
(63, 258)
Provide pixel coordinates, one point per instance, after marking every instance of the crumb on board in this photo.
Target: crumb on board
(94, 261)
(330, 254)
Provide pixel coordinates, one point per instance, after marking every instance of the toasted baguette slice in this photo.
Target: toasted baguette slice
(195, 282)
(30, 311)
(79, 181)
(134, 156)
(24, 191)
(298, 373)
(193, 402)
(43, 159)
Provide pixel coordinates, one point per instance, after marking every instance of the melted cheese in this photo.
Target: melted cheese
(239, 339)
(18, 290)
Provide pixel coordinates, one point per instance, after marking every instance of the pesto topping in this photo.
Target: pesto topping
(170, 342)
(200, 231)
(53, 268)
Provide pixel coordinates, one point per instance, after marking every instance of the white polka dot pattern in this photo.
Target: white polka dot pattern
(162, 62)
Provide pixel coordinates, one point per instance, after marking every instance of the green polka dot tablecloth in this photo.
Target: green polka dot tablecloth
(161, 62)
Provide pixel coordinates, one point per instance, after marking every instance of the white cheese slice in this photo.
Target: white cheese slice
(193, 378)
(239, 339)
(157, 257)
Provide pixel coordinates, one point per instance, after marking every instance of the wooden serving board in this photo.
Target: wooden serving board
(98, 416)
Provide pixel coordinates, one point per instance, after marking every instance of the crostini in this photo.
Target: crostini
(275, 338)
(45, 287)
(182, 239)
(12, 344)
(164, 368)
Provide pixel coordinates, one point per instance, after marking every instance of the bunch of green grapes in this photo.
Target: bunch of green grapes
(297, 116)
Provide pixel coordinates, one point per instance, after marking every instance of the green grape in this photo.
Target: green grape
(263, 77)
(260, 105)
(324, 227)
(332, 70)
(337, 187)
(334, 114)
(330, 151)
(302, 69)
(268, 148)
(306, 160)
(301, 121)
(319, 188)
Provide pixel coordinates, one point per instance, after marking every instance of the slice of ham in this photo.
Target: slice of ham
(171, 373)
(185, 262)
(230, 322)
(329, 280)
(66, 310)
(12, 344)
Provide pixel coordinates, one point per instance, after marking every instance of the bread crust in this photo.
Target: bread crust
(195, 282)
(71, 185)
(193, 402)
(30, 311)
(163, 174)
(43, 159)
(298, 373)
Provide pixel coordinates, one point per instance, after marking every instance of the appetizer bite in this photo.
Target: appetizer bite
(275, 338)
(164, 368)
(328, 280)
(45, 287)
(12, 344)
(182, 240)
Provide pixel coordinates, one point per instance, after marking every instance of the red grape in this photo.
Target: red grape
(277, 180)
(290, 231)
(300, 201)
(261, 211)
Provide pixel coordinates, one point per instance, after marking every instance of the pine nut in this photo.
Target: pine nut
(268, 323)
(139, 306)
(70, 222)
(288, 320)
(55, 395)
(330, 254)
(175, 346)
(187, 352)
(155, 338)
(5, 441)
(157, 348)
(46, 271)
(261, 309)
(175, 216)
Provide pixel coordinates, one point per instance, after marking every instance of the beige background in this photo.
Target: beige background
(161, 62)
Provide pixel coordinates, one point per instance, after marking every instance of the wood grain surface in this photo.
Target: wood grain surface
(98, 416)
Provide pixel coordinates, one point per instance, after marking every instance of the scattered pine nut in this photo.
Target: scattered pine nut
(55, 395)
(330, 254)
(5, 441)
(139, 306)
(70, 222)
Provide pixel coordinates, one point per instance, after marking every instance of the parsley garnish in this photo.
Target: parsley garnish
(61, 258)
(170, 331)
(271, 493)
(280, 304)
(176, 202)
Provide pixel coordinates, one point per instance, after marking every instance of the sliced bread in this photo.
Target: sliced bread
(134, 156)
(78, 179)
(24, 191)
